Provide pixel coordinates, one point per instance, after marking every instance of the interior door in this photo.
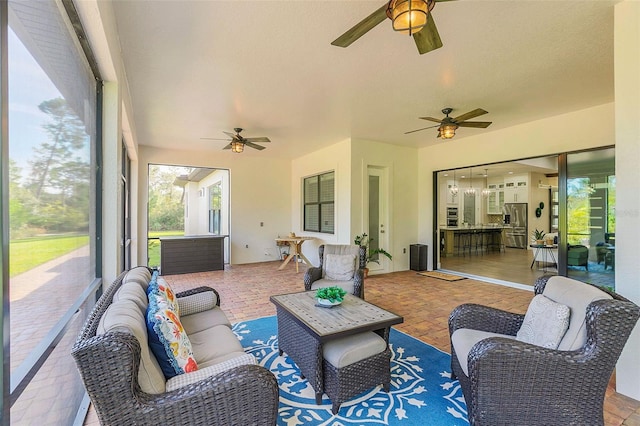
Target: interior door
(377, 216)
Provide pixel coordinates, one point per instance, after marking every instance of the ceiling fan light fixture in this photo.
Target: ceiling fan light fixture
(447, 131)
(409, 16)
(237, 146)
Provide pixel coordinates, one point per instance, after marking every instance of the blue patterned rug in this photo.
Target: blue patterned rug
(422, 392)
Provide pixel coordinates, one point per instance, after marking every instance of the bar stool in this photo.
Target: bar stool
(465, 242)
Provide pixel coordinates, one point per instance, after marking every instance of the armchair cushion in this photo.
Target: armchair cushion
(577, 297)
(339, 267)
(545, 323)
(463, 339)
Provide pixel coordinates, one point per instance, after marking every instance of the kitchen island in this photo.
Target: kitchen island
(463, 240)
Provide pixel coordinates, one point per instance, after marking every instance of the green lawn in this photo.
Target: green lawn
(28, 253)
(154, 245)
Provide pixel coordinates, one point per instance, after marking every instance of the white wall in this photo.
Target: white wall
(192, 206)
(99, 23)
(627, 130)
(336, 157)
(260, 192)
(402, 165)
(590, 128)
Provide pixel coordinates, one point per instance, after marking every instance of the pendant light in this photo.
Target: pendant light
(486, 191)
(470, 190)
(454, 187)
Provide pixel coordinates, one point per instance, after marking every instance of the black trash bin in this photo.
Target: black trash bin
(418, 257)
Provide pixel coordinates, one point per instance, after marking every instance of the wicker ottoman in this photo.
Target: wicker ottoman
(354, 364)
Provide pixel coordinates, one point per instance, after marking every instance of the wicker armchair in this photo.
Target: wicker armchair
(108, 365)
(315, 277)
(511, 382)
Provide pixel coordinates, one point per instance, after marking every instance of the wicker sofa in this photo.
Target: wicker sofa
(506, 381)
(127, 386)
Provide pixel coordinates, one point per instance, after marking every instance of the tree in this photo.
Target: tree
(60, 172)
(166, 200)
(66, 135)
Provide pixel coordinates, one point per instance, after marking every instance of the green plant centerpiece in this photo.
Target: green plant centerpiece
(363, 240)
(538, 236)
(330, 295)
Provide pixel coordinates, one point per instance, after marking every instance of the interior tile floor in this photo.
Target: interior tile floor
(515, 265)
(425, 304)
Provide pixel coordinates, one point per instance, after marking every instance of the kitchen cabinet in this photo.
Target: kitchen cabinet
(516, 189)
(495, 200)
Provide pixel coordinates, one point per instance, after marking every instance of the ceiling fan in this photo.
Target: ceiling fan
(238, 142)
(411, 17)
(447, 126)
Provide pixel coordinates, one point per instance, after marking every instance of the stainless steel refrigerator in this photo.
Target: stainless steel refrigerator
(515, 221)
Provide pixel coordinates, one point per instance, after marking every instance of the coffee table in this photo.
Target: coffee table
(304, 327)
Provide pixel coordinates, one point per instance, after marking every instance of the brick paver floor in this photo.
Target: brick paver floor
(425, 304)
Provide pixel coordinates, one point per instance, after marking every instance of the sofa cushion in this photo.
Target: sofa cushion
(133, 291)
(545, 323)
(214, 345)
(339, 267)
(463, 339)
(168, 340)
(139, 274)
(345, 285)
(203, 373)
(202, 320)
(125, 316)
(347, 350)
(577, 296)
(198, 302)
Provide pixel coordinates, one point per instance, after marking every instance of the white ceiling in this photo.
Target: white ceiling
(197, 68)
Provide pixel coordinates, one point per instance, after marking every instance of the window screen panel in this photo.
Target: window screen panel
(311, 189)
(326, 187)
(312, 217)
(327, 218)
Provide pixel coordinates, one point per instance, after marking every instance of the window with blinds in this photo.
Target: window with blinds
(319, 192)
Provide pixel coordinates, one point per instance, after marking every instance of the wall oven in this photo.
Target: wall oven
(452, 216)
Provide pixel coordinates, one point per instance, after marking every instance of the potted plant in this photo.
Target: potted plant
(538, 236)
(330, 296)
(363, 240)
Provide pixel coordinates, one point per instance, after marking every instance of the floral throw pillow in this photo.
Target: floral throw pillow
(163, 290)
(168, 340)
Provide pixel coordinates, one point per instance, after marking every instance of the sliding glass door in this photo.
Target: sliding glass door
(591, 223)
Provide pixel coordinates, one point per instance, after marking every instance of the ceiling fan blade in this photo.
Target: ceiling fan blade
(227, 147)
(480, 124)
(231, 135)
(428, 39)
(361, 28)
(471, 114)
(260, 139)
(214, 139)
(253, 145)
(437, 120)
(418, 130)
